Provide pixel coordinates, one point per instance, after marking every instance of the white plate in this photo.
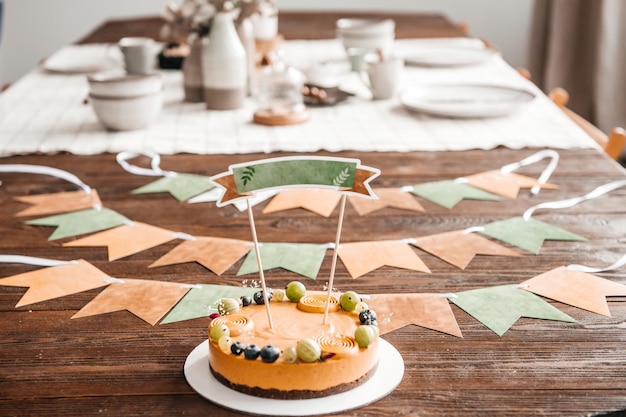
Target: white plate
(450, 56)
(84, 59)
(465, 101)
(385, 379)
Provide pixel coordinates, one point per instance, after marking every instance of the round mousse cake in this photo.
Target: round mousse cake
(298, 356)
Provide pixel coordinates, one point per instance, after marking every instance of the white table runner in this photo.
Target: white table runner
(46, 112)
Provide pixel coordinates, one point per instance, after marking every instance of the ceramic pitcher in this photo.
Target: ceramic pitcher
(224, 72)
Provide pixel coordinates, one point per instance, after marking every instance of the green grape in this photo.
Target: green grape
(227, 306)
(365, 335)
(278, 295)
(360, 306)
(308, 350)
(218, 331)
(224, 343)
(290, 355)
(295, 290)
(349, 300)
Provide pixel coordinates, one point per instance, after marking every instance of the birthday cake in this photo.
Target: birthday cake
(294, 349)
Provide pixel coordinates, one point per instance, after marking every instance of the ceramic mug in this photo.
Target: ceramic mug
(139, 54)
(382, 76)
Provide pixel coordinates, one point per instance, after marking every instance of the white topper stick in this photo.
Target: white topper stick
(260, 264)
(335, 252)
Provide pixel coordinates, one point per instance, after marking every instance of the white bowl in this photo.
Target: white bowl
(369, 34)
(124, 85)
(365, 27)
(127, 113)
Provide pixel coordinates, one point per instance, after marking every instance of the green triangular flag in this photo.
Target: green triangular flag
(200, 299)
(180, 186)
(80, 222)
(449, 193)
(500, 307)
(302, 258)
(527, 234)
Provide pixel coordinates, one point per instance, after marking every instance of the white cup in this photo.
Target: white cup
(139, 54)
(382, 76)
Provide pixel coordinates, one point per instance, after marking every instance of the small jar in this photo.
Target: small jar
(280, 89)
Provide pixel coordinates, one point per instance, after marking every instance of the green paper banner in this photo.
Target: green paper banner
(347, 175)
(294, 172)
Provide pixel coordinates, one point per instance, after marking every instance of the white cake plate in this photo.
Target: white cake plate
(385, 379)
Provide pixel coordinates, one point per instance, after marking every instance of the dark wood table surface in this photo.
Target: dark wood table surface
(118, 365)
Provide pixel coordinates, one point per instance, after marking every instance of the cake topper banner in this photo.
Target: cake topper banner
(343, 174)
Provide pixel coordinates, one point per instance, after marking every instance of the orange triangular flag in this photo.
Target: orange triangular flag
(59, 202)
(148, 300)
(503, 183)
(320, 201)
(363, 257)
(215, 253)
(57, 281)
(432, 311)
(459, 248)
(127, 239)
(576, 288)
(387, 197)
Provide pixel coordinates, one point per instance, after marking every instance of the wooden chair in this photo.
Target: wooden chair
(613, 143)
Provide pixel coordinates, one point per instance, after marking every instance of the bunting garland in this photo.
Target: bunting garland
(498, 307)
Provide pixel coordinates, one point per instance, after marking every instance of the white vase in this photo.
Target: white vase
(192, 72)
(224, 73)
(245, 31)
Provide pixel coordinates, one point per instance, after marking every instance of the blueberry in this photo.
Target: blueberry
(258, 296)
(270, 353)
(252, 352)
(367, 315)
(246, 300)
(237, 348)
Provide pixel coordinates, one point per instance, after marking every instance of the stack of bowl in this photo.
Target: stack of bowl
(366, 34)
(126, 101)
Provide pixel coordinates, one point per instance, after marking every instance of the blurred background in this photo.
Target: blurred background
(34, 29)
(574, 44)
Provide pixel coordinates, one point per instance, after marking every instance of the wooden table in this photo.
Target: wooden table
(116, 364)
